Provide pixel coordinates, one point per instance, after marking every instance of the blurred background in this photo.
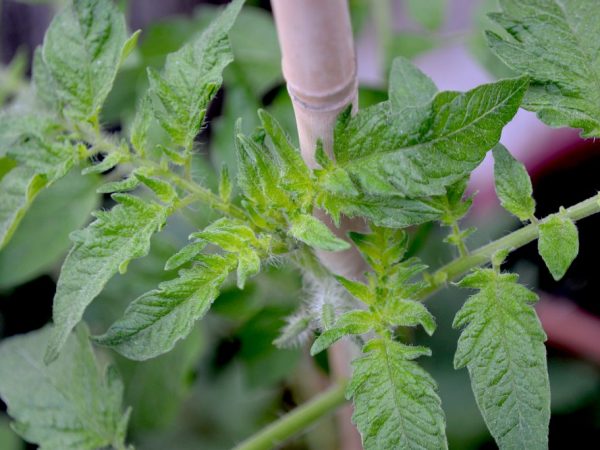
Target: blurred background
(227, 379)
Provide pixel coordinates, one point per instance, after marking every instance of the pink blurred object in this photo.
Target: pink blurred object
(569, 327)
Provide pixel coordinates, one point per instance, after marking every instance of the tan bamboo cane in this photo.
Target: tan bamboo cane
(319, 67)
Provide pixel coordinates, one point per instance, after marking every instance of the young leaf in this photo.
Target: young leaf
(41, 164)
(558, 244)
(70, 404)
(385, 158)
(513, 185)
(556, 43)
(395, 403)
(502, 345)
(81, 54)
(313, 232)
(408, 313)
(353, 322)
(191, 78)
(154, 322)
(225, 186)
(103, 248)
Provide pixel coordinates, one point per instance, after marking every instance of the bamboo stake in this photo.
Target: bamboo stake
(319, 66)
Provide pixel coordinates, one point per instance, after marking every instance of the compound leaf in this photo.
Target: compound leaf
(103, 248)
(81, 55)
(502, 345)
(513, 184)
(395, 403)
(386, 155)
(556, 42)
(154, 322)
(70, 404)
(558, 244)
(190, 79)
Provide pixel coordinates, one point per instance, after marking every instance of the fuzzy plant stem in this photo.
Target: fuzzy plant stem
(304, 416)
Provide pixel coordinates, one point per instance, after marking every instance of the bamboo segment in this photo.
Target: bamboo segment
(319, 66)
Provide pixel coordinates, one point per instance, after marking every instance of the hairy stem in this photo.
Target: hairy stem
(297, 420)
(305, 415)
(511, 241)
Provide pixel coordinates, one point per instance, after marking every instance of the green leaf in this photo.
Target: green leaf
(353, 322)
(81, 53)
(225, 186)
(408, 313)
(502, 345)
(35, 249)
(294, 170)
(154, 322)
(313, 232)
(386, 154)
(513, 185)
(248, 266)
(70, 404)
(359, 290)
(191, 78)
(229, 234)
(382, 247)
(558, 243)
(103, 248)
(410, 89)
(451, 204)
(395, 403)
(163, 190)
(556, 43)
(41, 164)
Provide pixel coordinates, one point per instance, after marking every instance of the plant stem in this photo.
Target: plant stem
(512, 241)
(305, 415)
(297, 420)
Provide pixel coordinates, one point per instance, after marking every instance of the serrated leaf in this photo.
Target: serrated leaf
(359, 290)
(128, 184)
(451, 204)
(81, 53)
(558, 243)
(248, 266)
(313, 232)
(353, 322)
(41, 164)
(502, 345)
(231, 235)
(408, 313)
(154, 322)
(191, 78)
(294, 170)
(109, 162)
(513, 185)
(185, 255)
(382, 247)
(71, 404)
(410, 91)
(556, 43)
(225, 186)
(395, 403)
(163, 190)
(386, 155)
(100, 250)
